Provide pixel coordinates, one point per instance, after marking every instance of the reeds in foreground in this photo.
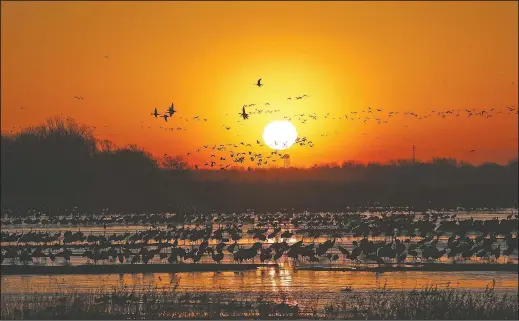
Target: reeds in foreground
(430, 303)
(124, 303)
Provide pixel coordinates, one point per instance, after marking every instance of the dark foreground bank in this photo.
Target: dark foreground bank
(426, 303)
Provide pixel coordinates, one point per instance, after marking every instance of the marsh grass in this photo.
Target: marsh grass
(123, 302)
(429, 303)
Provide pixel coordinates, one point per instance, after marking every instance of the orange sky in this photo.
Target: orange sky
(206, 56)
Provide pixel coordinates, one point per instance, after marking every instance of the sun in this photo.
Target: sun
(280, 134)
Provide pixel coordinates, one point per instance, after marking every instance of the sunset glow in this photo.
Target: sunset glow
(127, 58)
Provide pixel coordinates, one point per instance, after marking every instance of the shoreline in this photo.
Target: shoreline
(432, 267)
(211, 267)
(126, 268)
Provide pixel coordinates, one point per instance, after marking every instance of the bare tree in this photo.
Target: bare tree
(174, 162)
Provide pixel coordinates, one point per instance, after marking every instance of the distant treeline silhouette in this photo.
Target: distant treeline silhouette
(61, 164)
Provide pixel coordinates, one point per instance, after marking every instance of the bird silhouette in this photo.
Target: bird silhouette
(244, 114)
(155, 113)
(259, 84)
(171, 110)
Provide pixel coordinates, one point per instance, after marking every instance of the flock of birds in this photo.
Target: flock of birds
(303, 237)
(236, 157)
(259, 159)
(379, 116)
(169, 113)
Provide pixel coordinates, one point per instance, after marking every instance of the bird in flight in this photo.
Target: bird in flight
(259, 84)
(165, 117)
(171, 110)
(244, 114)
(155, 113)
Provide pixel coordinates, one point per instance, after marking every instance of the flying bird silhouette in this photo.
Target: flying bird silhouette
(259, 84)
(171, 110)
(244, 114)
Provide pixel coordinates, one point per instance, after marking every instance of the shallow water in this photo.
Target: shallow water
(346, 241)
(276, 281)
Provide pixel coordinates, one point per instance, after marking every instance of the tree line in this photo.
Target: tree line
(60, 164)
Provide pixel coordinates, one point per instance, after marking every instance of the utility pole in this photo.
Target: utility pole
(286, 158)
(414, 152)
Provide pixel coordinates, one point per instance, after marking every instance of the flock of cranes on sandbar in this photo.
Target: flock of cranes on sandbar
(379, 239)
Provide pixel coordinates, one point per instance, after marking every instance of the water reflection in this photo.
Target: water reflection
(277, 280)
(274, 282)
